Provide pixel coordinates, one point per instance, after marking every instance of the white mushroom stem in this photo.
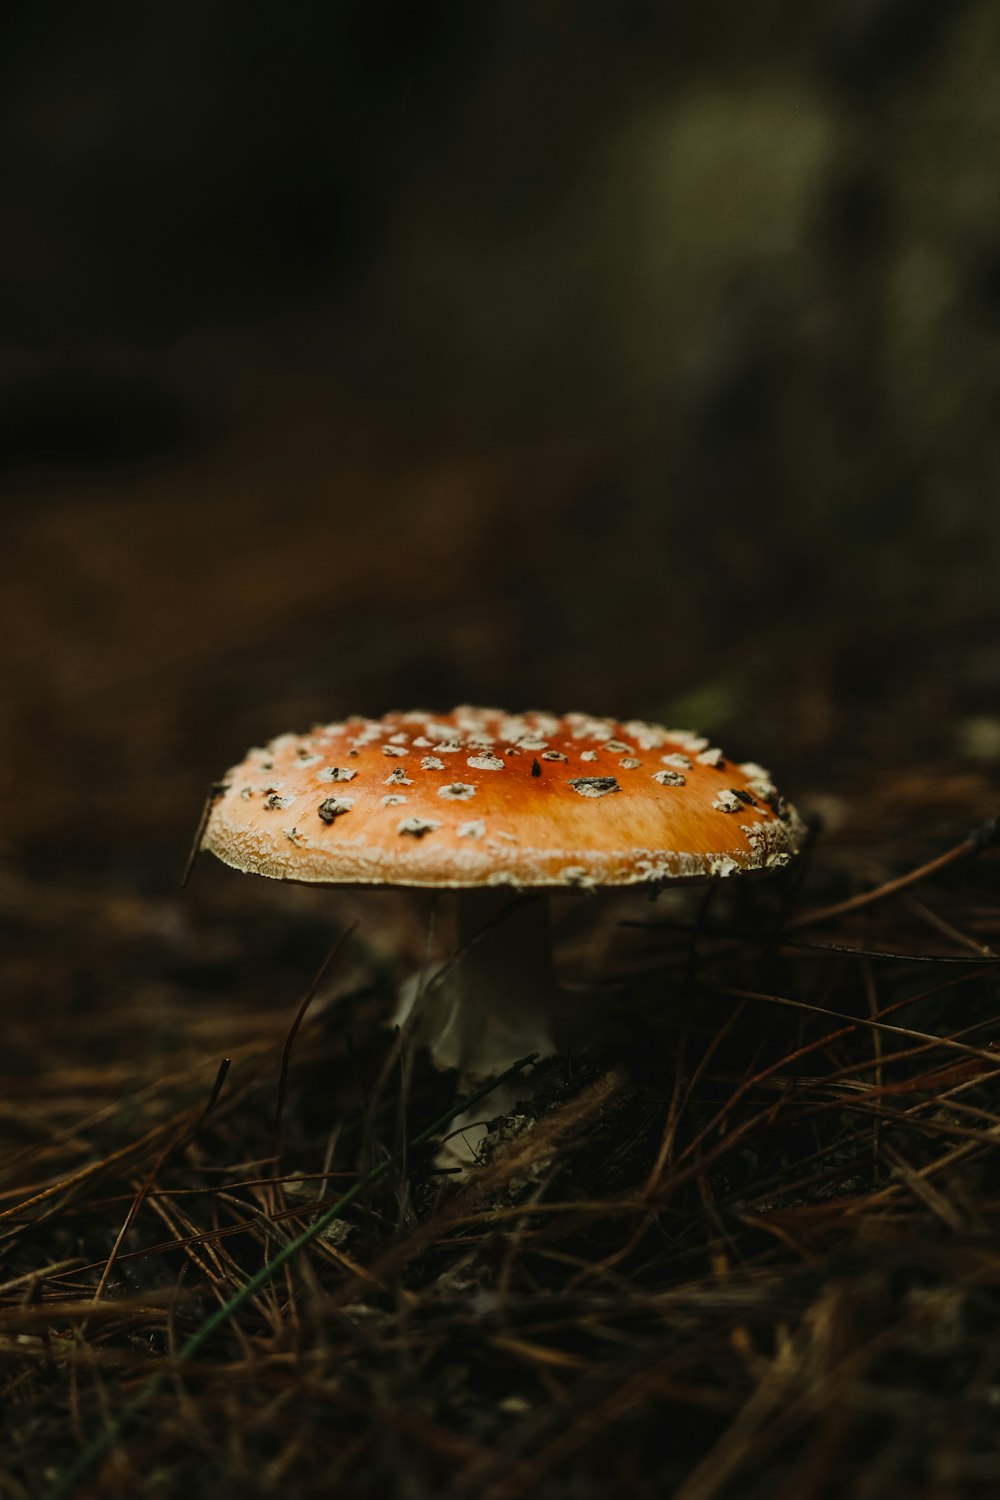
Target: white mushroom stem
(496, 999)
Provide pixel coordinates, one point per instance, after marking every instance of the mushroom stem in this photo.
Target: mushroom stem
(495, 1000)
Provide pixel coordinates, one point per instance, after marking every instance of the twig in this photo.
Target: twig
(293, 1030)
(215, 791)
(980, 839)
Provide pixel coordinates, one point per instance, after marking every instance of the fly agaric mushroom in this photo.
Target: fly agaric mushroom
(487, 804)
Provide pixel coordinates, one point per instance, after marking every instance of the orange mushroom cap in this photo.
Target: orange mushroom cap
(479, 797)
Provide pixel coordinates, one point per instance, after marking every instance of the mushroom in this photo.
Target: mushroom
(491, 807)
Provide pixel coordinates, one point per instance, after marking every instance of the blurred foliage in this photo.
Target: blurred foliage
(620, 356)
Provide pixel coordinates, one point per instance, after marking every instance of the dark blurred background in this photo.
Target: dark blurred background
(639, 358)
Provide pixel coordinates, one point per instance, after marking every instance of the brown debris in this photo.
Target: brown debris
(759, 1212)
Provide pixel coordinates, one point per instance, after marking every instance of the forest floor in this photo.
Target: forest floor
(742, 1246)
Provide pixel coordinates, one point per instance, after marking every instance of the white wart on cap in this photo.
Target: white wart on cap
(479, 797)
